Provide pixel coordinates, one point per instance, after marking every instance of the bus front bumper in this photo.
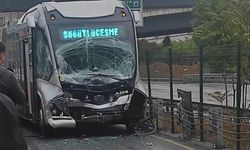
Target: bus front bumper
(110, 118)
(68, 122)
(62, 122)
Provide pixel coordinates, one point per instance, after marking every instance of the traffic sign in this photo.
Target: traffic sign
(134, 4)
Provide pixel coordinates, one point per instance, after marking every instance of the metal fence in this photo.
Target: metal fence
(201, 93)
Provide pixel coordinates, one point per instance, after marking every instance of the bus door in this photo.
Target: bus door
(29, 75)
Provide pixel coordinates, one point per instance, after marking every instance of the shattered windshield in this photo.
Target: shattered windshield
(95, 60)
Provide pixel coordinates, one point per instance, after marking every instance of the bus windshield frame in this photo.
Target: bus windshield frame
(108, 58)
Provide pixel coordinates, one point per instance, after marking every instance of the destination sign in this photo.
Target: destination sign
(68, 34)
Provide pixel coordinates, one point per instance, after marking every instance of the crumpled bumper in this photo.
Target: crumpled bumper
(62, 122)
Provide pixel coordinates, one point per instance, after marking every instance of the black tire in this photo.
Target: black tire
(45, 130)
(130, 127)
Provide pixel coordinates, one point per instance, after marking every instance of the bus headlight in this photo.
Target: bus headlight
(58, 107)
(54, 110)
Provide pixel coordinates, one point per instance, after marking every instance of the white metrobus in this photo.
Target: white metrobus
(78, 63)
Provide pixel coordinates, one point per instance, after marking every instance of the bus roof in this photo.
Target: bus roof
(80, 9)
(84, 9)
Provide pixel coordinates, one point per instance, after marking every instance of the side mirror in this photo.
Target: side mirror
(31, 22)
(138, 18)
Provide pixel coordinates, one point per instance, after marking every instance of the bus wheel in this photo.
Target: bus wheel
(130, 127)
(44, 129)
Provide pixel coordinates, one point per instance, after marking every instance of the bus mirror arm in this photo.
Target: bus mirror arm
(137, 16)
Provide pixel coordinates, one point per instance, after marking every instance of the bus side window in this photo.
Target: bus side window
(43, 56)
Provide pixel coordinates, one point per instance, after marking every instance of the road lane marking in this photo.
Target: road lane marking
(173, 142)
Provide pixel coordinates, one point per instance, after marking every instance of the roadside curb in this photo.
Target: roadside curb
(194, 143)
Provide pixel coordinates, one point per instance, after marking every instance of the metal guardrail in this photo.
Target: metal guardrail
(194, 104)
(220, 125)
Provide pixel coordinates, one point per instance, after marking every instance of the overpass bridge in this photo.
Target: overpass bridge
(163, 17)
(154, 24)
(166, 24)
(23, 5)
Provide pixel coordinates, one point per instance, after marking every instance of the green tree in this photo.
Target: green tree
(221, 22)
(242, 28)
(212, 22)
(213, 27)
(241, 20)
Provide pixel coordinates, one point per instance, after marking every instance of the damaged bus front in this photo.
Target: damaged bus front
(84, 64)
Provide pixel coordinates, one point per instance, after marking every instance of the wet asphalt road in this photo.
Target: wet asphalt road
(96, 138)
